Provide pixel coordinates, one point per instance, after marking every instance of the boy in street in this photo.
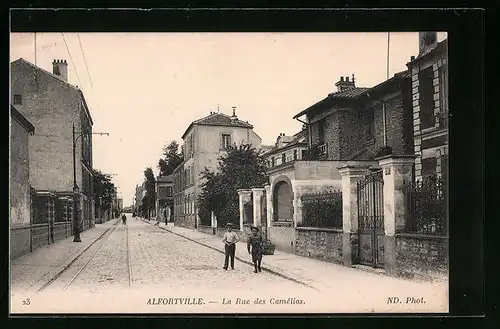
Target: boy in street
(255, 241)
(230, 239)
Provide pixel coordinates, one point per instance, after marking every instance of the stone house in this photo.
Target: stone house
(20, 189)
(164, 198)
(54, 106)
(429, 73)
(205, 140)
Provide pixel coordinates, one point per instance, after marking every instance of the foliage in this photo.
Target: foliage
(103, 190)
(322, 209)
(242, 167)
(172, 158)
(149, 199)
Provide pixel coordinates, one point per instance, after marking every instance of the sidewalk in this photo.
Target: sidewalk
(32, 271)
(314, 273)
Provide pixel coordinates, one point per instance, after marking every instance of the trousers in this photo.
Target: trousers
(230, 250)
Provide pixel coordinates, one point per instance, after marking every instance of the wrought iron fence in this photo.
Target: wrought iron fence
(322, 209)
(426, 202)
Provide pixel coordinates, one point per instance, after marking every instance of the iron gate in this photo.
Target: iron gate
(371, 219)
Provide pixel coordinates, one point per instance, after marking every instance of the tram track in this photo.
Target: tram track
(104, 238)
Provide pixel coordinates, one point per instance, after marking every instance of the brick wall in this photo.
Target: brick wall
(437, 61)
(51, 106)
(322, 244)
(423, 257)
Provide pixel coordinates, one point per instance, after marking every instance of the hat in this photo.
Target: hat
(229, 225)
(254, 228)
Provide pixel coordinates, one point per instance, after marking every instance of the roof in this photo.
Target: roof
(22, 120)
(351, 93)
(218, 119)
(440, 46)
(355, 93)
(22, 60)
(165, 179)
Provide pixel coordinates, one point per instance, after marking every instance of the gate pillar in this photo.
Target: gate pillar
(244, 197)
(350, 176)
(269, 206)
(257, 198)
(397, 172)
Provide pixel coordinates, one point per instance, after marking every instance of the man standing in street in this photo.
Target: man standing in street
(230, 239)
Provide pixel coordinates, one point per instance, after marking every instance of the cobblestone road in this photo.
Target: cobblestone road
(142, 258)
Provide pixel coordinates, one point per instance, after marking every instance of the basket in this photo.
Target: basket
(268, 248)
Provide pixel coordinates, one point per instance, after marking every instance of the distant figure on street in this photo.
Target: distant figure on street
(124, 219)
(255, 242)
(230, 239)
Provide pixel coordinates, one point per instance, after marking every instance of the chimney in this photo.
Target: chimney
(426, 39)
(345, 84)
(60, 68)
(234, 117)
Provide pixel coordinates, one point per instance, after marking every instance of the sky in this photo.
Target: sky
(144, 89)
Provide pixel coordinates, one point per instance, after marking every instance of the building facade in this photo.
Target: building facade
(20, 189)
(429, 73)
(54, 106)
(164, 198)
(204, 141)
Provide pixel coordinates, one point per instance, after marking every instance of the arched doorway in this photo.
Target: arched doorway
(283, 202)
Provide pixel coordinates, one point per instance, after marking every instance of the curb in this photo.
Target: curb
(236, 257)
(65, 267)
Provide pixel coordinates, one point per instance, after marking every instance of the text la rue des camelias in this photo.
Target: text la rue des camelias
(225, 301)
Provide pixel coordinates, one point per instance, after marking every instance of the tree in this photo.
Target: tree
(242, 167)
(172, 158)
(149, 200)
(103, 190)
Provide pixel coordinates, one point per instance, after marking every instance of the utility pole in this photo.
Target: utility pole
(76, 190)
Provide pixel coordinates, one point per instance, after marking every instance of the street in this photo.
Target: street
(143, 268)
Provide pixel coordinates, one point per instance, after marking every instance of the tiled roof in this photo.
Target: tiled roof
(219, 119)
(349, 93)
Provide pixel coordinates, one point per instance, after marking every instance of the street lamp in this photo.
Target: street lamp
(76, 221)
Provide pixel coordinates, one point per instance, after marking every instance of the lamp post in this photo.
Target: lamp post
(76, 220)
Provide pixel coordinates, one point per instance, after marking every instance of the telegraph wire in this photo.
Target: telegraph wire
(85, 60)
(88, 71)
(72, 62)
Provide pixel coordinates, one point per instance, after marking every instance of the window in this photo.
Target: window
(426, 91)
(429, 166)
(370, 125)
(169, 190)
(443, 97)
(321, 130)
(294, 155)
(18, 100)
(226, 141)
(304, 154)
(272, 162)
(283, 158)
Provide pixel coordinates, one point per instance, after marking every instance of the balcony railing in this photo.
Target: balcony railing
(317, 152)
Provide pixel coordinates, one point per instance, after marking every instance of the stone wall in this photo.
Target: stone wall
(20, 241)
(283, 237)
(321, 244)
(421, 256)
(205, 229)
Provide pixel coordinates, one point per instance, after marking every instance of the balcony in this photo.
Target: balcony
(317, 152)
